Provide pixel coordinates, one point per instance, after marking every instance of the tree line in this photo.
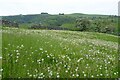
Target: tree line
(77, 22)
(6, 23)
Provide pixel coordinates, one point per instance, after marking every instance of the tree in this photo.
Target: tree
(82, 24)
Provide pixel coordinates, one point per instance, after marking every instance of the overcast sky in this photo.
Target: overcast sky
(14, 7)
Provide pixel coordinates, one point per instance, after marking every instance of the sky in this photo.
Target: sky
(16, 7)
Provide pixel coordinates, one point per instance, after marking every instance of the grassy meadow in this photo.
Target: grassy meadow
(58, 54)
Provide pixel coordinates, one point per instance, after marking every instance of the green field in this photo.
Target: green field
(55, 53)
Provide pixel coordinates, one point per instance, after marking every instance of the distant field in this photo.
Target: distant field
(55, 53)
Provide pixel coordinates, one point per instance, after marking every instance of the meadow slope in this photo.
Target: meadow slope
(55, 53)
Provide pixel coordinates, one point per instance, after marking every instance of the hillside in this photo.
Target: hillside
(56, 53)
(76, 21)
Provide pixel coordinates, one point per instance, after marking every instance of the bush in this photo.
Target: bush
(82, 24)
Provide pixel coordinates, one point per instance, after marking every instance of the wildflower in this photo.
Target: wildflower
(17, 56)
(66, 71)
(87, 64)
(107, 74)
(36, 70)
(6, 48)
(0, 57)
(51, 45)
(108, 62)
(73, 75)
(22, 45)
(18, 53)
(8, 44)
(41, 73)
(58, 76)
(48, 56)
(32, 52)
(30, 47)
(101, 74)
(76, 69)
(57, 73)
(105, 67)
(78, 60)
(16, 61)
(51, 73)
(84, 75)
(114, 73)
(83, 72)
(16, 50)
(46, 51)
(39, 77)
(30, 75)
(41, 49)
(97, 74)
(11, 55)
(42, 59)
(48, 67)
(24, 65)
(77, 75)
(1, 70)
(92, 76)
(34, 75)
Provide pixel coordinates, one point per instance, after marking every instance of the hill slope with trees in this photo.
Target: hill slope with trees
(75, 21)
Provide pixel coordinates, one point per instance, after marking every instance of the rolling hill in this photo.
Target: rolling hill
(98, 23)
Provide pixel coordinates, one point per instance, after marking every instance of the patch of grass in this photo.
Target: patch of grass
(54, 54)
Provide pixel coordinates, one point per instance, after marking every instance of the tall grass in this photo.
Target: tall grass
(58, 54)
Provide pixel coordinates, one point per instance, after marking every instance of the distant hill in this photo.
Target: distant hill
(46, 18)
(98, 23)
